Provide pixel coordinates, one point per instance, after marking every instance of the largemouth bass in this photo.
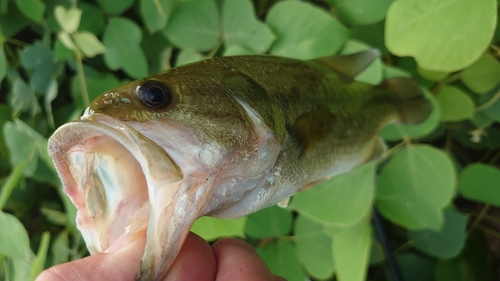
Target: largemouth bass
(223, 137)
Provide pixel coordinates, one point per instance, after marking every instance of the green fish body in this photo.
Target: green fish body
(223, 137)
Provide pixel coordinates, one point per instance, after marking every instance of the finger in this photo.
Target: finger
(120, 265)
(237, 260)
(195, 261)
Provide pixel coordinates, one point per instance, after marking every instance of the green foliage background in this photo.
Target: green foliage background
(438, 186)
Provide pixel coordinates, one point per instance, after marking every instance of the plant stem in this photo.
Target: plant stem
(382, 236)
(478, 219)
(489, 103)
(81, 79)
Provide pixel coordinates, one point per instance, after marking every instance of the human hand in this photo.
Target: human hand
(228, 259)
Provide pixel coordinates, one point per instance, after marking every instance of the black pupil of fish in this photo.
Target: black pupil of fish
(155, 94)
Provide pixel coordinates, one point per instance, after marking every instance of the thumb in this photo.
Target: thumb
(122, 264)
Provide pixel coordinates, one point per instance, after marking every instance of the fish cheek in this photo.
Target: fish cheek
(312, 128)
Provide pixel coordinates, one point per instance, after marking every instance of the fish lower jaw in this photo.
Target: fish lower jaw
(109, 170)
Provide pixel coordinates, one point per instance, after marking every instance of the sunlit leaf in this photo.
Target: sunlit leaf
(343, 200)
(360, 12)
(304, 31)
(432, 75)
(21, 147)
(454, 104)
(282, 259)
(479, 182)
(415, 186)
(483, 75)
(68, 20)
(195, 25)
(442, 35)
(269, 222)
(351, 252)
(188, 56)
(313, 246)
(121, 39)
(89, 44)
(212, 228)
(242, 28)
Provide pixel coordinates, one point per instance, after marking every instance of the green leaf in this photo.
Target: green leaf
(483, 75)
(414, 187)
(213, 228)
(492, 101)
(121, 39)
(15, 240)
(60, 249)
(415, 267)
(432, 75)
(236, 51)
(442, 35)
(479, 182)
(21, 148)
(351, 252)
(13, 21)
(269, 222)
(3, 64)
(68, 20)
(155, 13)
(373, 73)
(32, 9)
(343, 200)
(453, 270)
(88, 44)
(188, 56)
(96, 85)
(454, 104)
(241, 27)
(41, 256)
(282, 259)
(195, 25)
(23, 99)
(40, 59)
(304, 31)
(446, 243)
(360, 12)
(393, 132)
(61, 52)
(313, 246)
(115, 7)
(92, 19)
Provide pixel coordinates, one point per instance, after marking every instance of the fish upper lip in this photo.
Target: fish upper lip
(75, 143)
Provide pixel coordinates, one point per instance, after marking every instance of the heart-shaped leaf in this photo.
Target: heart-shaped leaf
(68, 20)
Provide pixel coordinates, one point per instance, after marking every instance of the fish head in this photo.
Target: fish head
(145, 156)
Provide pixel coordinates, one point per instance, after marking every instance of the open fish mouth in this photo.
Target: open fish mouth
(121, 183)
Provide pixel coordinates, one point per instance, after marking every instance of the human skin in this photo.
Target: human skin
(227, 259)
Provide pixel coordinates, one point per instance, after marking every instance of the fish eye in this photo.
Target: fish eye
(154, 94)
